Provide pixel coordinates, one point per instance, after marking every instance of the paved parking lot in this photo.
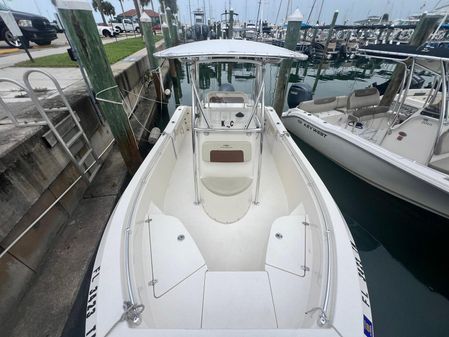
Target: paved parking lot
(5, 49)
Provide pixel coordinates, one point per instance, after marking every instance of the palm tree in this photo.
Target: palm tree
(108, 9)
(98, 7)
(104, 8)
(169, 3)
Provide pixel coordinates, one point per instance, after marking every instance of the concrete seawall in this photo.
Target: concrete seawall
(33, 175)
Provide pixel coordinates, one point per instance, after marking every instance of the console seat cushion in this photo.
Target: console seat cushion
(374, 110)
(226, 186)
(319, 105)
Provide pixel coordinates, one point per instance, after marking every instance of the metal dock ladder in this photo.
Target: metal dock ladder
(68, 132)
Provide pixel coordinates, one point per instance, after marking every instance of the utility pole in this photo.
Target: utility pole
(81, 29)
(291, 39)
(425, 27)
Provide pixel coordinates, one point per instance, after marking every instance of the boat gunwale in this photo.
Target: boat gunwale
(314, 191)
(431, 176)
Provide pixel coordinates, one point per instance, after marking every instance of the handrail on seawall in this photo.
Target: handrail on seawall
(324, 316)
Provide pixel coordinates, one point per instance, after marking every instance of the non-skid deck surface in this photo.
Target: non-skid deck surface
(227, 247)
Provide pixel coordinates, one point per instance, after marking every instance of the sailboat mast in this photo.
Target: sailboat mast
(190, 14)
(319, 13)
(261, 24)
(277, 15)
(287, 10)
(311, 10)
(246, 10)
(258, 12)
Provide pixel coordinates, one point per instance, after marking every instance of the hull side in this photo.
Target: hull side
(368, 165)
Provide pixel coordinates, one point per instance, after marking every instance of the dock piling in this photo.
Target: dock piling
(291, 39)
(166, 34)
(148, 35)
(173, 28)
(81, 28)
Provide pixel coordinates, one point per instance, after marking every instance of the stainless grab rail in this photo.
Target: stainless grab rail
(324, 318)
(130, 215)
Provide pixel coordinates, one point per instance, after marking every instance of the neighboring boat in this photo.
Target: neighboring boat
(226, 229)
(402, 149)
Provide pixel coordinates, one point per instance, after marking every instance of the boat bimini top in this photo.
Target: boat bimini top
(231, 49)
(405, 52)
(428, 58)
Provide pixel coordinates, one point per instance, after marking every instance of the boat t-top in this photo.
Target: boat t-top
(226, 229)
(402, 148)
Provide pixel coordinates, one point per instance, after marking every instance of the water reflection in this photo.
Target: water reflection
(337, 77)
(403, 249)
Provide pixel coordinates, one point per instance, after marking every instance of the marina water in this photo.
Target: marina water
(404, 249)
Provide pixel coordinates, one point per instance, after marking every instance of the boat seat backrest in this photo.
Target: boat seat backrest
(226, 178)
(319, 105)
(227, 97)
(325, 100)
(324, 104)
(226, 151)
(342, 101)
(443, 143)
(363, 98)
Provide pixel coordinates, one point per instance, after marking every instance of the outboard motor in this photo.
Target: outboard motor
(298, 92)
(226, 87)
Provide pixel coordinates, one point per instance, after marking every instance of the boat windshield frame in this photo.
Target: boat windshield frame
(258, 94)
(413, 61)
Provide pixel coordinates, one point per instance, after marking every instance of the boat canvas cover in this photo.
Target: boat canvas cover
(211, 49)
(404, 52)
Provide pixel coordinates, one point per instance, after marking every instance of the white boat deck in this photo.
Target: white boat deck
(248, 236)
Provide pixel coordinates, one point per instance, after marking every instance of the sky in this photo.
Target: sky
(349, 10)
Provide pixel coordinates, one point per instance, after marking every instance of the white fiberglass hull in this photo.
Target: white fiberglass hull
(161, 194)
(403, 178)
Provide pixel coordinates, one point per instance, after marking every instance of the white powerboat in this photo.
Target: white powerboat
(402, 149)
(226, 229)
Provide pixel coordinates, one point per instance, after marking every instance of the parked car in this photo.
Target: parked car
(125, 25)
(34, 28)
(107, 31)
